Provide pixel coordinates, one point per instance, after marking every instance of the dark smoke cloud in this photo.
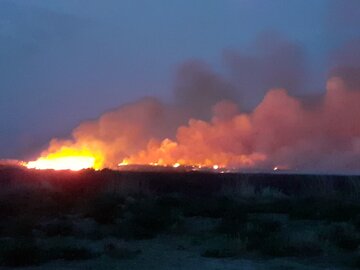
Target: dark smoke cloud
(347, 55)
(346, 64)
(274, 62)
(197, 88)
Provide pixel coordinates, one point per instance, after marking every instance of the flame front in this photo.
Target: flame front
(67, 159)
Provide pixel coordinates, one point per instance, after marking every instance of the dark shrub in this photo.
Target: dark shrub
(356, 221)
(219, 253)
(304, 209)
(339, 211)
(356, 262)
(343, 236)
(69, 253)
(147, 219)
(120, 253)
(212, 207)
(323, 209)
(22, 226)
(75, 254)
(233, 222)
(170, 201)
(24, 253)
(279, 206)
(58, 228)
(259, 231)
(279, 246)
(105, 209)
(7, 208)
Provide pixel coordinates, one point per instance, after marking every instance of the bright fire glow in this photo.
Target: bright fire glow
(123, 163)
(62, 163)
(66, 159)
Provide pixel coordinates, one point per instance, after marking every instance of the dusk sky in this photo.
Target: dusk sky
(63, 62)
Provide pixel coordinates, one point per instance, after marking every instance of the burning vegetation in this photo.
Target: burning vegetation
(281, 130)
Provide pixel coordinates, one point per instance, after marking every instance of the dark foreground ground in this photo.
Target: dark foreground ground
(176, 220)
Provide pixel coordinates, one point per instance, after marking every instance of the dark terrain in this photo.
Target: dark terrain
(178, 220)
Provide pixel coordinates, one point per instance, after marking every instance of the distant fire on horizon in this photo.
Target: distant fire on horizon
(282, 131)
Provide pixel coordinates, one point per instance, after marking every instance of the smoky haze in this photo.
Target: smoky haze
(236, 83)
(206, 126)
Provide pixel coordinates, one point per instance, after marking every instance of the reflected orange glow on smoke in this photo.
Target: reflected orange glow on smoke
(170, 153)
(281, 130)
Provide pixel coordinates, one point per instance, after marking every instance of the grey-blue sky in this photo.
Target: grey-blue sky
(65, 61)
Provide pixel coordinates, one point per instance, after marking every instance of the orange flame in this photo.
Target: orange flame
(67, 159)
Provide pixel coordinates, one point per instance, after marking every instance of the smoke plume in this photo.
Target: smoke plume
(206, 124)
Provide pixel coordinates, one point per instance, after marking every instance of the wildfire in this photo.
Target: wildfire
(67, 159)
(280, 134)
(176, 165)
(168, 153)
